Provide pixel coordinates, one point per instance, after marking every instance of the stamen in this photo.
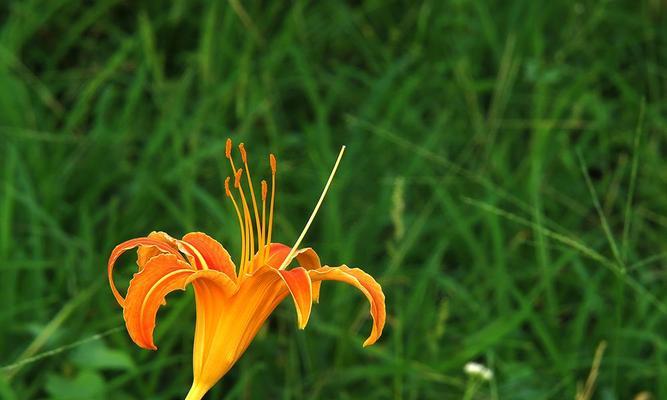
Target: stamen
(228, 148)
(312, 216)
(244, 253)
(260, 243)
(228, 154)
(237, 178)
(272, 162)
(238, 214)
(250, 244)
(243, 153)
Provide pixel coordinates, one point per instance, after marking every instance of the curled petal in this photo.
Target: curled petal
(206, 251)
(130, 244)
(300, 287)
(161, 275)
(273, 285)
(308, 259)
(368, 286)
(145, 253)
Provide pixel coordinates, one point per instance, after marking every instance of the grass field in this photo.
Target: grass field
(504, 180)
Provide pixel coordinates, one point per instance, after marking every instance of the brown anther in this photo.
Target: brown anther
(265, 190)
(227, 191)
(272, 161)
(228, 148)
(242, 150)
(237, 177)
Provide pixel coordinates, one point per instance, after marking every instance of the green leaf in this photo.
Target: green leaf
(96, 355)
(87, 385)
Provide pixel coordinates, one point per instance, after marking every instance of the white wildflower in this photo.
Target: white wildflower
(477, 370)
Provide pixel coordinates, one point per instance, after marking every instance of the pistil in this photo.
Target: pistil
(272, 163)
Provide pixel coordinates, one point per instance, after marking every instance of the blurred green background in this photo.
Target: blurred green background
(504, 180)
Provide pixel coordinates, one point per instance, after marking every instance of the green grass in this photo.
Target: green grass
(504, 180)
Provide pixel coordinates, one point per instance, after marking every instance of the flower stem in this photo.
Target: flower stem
(197, 391)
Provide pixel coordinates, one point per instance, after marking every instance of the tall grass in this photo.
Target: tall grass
(504, 179)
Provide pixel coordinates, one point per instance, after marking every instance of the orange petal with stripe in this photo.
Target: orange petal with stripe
(210, 252)
(308, 259)
(227, 323)
(276, 255)
(368, 286)
(300, 287)
(161, 275)
(127, 245)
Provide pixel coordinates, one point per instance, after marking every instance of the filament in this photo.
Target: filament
(262, 234)
(260, 244)
(250, 236)
(238, 214)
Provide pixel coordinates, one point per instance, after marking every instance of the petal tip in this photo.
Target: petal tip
(302, 324)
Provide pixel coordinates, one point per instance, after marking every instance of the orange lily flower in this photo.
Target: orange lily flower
(232, 304)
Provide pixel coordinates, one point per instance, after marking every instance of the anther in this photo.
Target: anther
(227, 191)
(243, 155)
(228, 148)
(272, 161)
(265, 190)
(237, 177)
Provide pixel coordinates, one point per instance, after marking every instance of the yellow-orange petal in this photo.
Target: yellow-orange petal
(211, 252)
(161, 275)
(276, 255)
(300, 287)
(228, 321)
(295, 281)
(277, 252)
(127, 245)
(213, 291)
(308, 259)
(368, 286)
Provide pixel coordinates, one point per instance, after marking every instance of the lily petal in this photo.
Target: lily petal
(308, 259)
(227, 323)
(368, 286)
(211, 253)
(145, 253)
(300, 287)
(127, 245)
(212, 300)
(161, 275)
(277, 254)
